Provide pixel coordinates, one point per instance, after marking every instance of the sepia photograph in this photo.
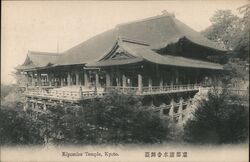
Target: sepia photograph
(125, 81)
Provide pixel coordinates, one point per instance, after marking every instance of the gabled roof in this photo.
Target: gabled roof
(36, 59)
(144, 53)
(89, 50)
(157, 32)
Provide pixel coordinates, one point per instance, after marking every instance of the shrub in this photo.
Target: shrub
(217, 121)
(113, 119)
(122, 119)
(17, 127)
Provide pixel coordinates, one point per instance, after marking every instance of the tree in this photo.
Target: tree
(218, 121)
(18, 128)
(121, 118)
(231, 31)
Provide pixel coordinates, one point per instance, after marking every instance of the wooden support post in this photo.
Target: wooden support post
(26, 105)
(36, 105)
(86, 79)
(97, 80)
(69, 79)
(62, 81)
(44, 106)
(150, 84)
(26, 87)
(39, 80)
(32, 105)
(77, 78)
(50, 79)
(161, 84)
(32, 79)
(80, 92)
(140, 84)
(80, 79)
(124, 83)
(176, 77)
(117, 82)
(172, 85)
(108, 80)
(180, 111)
(171, 111)
(162, 106)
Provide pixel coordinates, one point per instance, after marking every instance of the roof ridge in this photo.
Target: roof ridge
(124, 39)
(145, 19)
(90, 38)
(43, 53)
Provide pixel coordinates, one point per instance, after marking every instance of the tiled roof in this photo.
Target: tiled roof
(36, 59)
(158, 32)
(144, 53)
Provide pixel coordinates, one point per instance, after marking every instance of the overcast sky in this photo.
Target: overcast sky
(51, 26)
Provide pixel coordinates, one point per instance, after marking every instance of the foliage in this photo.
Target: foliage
(231, 30)
(113, 119)
(5, 89)
(11, 95)
(121, 119)
(218, 121)
(17, 128)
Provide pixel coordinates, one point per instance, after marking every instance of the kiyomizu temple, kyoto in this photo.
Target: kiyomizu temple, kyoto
(158, 58)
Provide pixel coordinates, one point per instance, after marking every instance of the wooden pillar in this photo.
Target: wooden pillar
(26, 105)
(140, 83)
(80, 78)
(62, 81)
(77, 78)
(162, 106)
(29, 79)
(86, 79)
(150, 84)
(124, 81)
(161, 83)
(32, 79)
(171, 111)
(108, 80)
(39, 80)
(117, 81)
(176, 76)
(44, 106)
(50, 79)
(69, 79)
(180, 111)
(32, 105)
(80, 93)
(36, 105)
(97, 80)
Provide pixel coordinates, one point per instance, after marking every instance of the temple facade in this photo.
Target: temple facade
(158, 56)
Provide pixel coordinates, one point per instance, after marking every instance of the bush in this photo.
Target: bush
(122, 119)
(112, 119)
(218, 121)
(18, 128)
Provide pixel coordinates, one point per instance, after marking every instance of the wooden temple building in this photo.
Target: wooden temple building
(158, 56)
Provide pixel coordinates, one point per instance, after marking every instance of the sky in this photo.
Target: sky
(55, 26)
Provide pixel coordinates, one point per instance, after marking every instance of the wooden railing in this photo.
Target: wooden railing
(79, 95)
(125, 90)
(239, 92)
(64, 95)
(155, 89)
(170, 88)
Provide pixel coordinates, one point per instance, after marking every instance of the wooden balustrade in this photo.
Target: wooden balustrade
(68, 95)
(77, 95)
(240, 92)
